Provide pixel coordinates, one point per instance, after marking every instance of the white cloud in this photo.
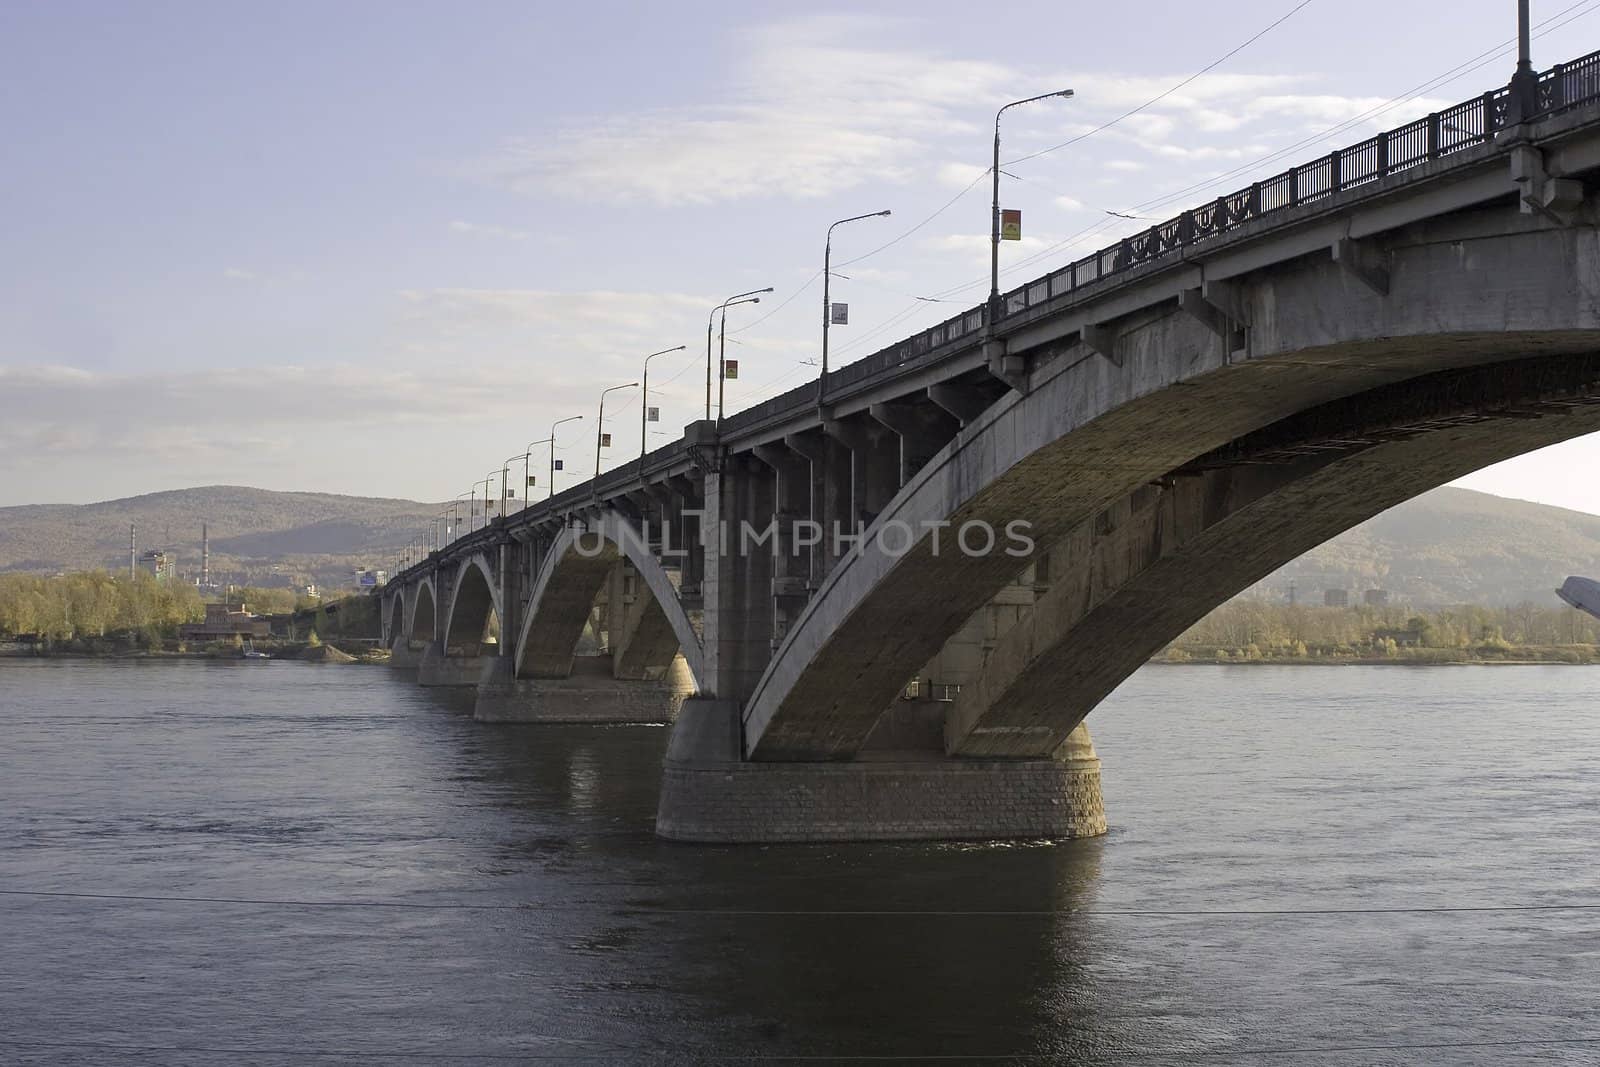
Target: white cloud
(478, 229)
(959, 175)
(813, 117)
(239, 274)
(1068, 203)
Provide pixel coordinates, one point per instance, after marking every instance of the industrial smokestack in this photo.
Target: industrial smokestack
(133, 551)
(205, 555)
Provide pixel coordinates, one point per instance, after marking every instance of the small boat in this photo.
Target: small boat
(251, 653)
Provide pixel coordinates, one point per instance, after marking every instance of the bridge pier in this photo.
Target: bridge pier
(438, 669)
(589, 695)
(403, 656)
(709, 794)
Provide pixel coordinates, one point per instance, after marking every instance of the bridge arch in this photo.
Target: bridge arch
(423, 612)
(397, 631)
(1134, 578)
(573, 572)
(474, 604)
(1088, 433)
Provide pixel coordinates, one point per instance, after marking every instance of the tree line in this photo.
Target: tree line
(85, 604)
(1257, 629)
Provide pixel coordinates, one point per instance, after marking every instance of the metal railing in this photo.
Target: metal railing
(1435, 136)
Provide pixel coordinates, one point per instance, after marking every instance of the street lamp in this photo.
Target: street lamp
(571, 418)
(827, 309)
(455, 506)
(487, 482)
(752, 297)
(994, 207)
(644, 403)
(600, 427)
(505, 470)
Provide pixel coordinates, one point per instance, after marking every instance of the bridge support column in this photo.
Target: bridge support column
(437, 669)
(589, 695)
(709, 794)
(403, 656)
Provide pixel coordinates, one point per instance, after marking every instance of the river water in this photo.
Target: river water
(281, 863)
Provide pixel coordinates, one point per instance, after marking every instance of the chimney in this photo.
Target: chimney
(133, 551)
(205, 555)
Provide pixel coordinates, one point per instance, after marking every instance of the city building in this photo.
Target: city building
(158, 563)
(1375, 598)
(226, 620)
(1336, 598)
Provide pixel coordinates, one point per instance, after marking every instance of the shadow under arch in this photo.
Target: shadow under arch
(1138, 575)
(397, 620)
(474, 601)
(423, 613)
(573, 572)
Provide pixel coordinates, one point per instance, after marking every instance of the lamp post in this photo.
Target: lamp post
(553, 425)
(505, 472)
(455, 505)
(752, 297)
(994, 207)
(600, 427)
(644, 403)
(487, 482)
(1524, 83)
(827, 308)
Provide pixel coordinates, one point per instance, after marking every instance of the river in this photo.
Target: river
(281, 863)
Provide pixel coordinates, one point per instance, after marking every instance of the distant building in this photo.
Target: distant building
(158, 563)
(310, 590)
(366, 578)
(1336, 598)
(1375, 598)
(225, 620)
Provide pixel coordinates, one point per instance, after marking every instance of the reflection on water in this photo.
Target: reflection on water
(1259, 815)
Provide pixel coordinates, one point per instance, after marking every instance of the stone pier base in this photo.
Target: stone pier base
(403, 656)
(586, 697)
(437, 669)
(917, 797)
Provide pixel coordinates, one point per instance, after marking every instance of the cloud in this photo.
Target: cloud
(478, 229)
(959, 175)
(239, 274)
(1068, 203)
(813, 117)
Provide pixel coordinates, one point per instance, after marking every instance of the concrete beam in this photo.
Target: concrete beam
(1364, 263)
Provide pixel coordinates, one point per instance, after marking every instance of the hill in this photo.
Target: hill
(1449, 546)
(257, 536)
(1452, 546)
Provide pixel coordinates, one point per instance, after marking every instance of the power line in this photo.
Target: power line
(1455, 73)
(1157, 99)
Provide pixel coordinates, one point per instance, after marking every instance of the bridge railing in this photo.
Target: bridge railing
(1468, 123)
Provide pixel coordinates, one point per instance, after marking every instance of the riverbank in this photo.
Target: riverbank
(1489, 655)
(325, 652)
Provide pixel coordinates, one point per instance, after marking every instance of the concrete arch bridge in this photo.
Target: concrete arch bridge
(1034, 497)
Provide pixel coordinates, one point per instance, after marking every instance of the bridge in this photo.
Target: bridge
(881, 606)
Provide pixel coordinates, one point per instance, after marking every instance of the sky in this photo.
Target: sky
(379, 248)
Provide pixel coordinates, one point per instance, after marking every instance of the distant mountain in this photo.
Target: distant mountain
(1452, 546)
(1449, 546)
(257, 536)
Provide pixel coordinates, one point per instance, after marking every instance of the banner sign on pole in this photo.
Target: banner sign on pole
(605, 440)
(730, 369)
(1010, 225)
(839, 314)
(652, 415)
(561, 464)
(532, 479)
